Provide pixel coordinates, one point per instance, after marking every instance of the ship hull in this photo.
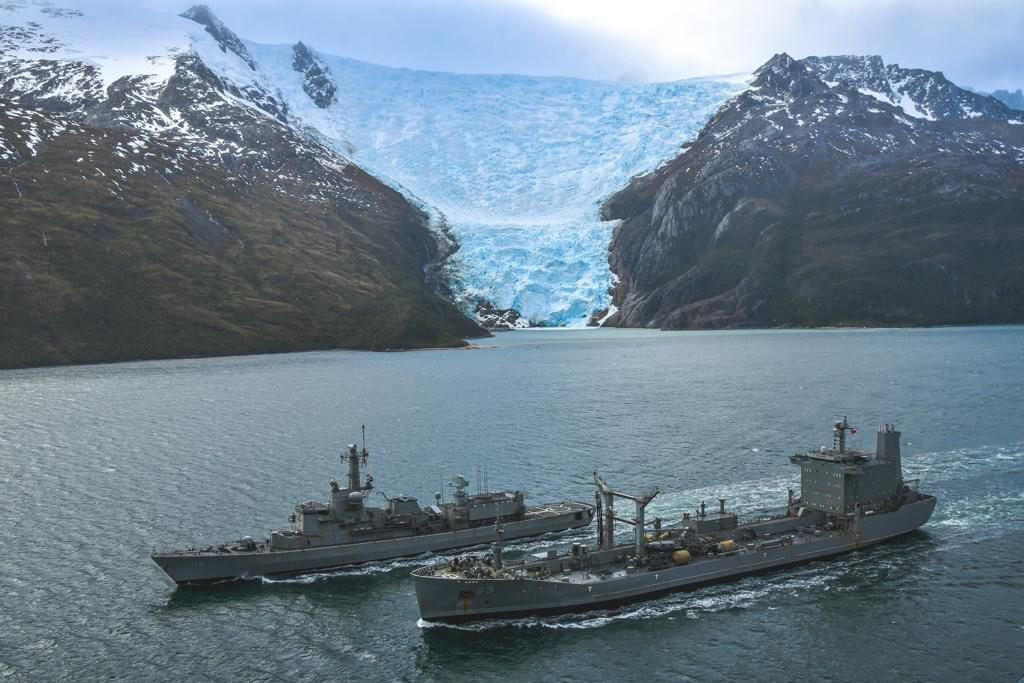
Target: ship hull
(206, 567)
(459, 600)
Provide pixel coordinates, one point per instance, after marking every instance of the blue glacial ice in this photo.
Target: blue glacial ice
(518, 166)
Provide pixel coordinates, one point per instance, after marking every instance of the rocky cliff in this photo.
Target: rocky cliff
(833, 191)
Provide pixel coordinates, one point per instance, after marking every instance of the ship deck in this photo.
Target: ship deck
(554, 510)
(617, 563)
(215, 551)
(540, 512)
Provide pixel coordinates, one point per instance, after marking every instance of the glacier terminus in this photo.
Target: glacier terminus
(515, 166)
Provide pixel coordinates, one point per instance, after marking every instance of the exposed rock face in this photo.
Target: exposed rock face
(922, 94)
(50, 85)
(316, 77)
(225, 37)
(491, 318)
(176, 216)
(836, 190)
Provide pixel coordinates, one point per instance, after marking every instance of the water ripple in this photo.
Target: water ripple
(99, 464)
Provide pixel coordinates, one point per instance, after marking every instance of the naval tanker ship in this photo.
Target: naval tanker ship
(345, 530)
(848, 500)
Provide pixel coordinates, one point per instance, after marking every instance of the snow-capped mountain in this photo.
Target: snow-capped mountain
(502, 177)
(153, 208)
(835, 190)
(918, 93)
(513, 168)
(163, 83)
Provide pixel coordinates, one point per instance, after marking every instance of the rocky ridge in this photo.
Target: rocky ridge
(226, 39)
(316, 77)
(834, 191)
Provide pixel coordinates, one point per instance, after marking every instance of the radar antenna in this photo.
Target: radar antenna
(839, 435)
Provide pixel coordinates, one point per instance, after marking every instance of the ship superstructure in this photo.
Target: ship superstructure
(347, 530)
(848, 500)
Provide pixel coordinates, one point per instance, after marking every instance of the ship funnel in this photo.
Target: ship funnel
(888, 449)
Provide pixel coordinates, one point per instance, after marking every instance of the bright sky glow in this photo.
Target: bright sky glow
(975, 43)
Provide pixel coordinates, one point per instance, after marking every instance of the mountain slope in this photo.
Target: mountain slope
(168, 212)
(836, 190)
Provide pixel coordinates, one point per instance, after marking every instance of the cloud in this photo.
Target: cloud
(442, 35)
(975, 44)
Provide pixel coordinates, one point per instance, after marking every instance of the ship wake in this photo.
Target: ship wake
(965, 517)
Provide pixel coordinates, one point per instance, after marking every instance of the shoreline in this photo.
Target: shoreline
(470, 346)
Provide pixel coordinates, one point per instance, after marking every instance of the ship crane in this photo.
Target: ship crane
(606, 518)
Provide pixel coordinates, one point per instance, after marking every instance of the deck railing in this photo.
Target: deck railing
(761, 515)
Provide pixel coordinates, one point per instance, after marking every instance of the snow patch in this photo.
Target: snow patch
(121, 40)
(912, 108)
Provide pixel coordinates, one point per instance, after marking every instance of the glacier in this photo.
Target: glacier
(515, 167)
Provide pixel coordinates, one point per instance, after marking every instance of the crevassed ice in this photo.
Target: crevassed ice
(517, 165)
(553, 273)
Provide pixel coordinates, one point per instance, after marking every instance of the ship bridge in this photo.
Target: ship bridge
(839, 479)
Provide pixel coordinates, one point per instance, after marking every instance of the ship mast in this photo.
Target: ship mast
(839, 435)
(355, 458)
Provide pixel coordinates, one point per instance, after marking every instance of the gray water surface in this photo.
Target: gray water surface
(100, 464)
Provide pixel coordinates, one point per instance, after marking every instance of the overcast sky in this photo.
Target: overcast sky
(978, 43)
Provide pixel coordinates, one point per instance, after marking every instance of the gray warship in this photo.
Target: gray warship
(347, 531)
(848, 500)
